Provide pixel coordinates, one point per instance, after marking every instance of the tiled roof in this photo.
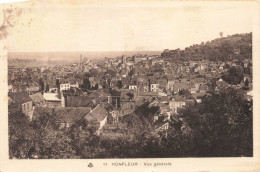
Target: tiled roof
(38, 111)
(98, 113)
(99, 93)
(79, 101)
(37, 97)
(71, 114)
(20, 97)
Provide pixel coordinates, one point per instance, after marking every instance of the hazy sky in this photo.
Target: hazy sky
(126, 27)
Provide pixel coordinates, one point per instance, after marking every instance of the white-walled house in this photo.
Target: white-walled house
(133, 87)
(154, 87)
(65, 86)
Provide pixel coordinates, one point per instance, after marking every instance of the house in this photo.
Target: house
(114, 98)
(170, 84)
(162, 83)
(160, 127)
(127, 101)
(166, 111)
(133, 87)
(54, 99)
(147, 96)
(177, 87)
(23, 100)
(154, 87)
(97, 115)
(113, 117)
(163, 112)
(143, 84)
(38, 100)
(193, 89)
(65, 86)
(81, 101)
(176, 103)
(68, 116)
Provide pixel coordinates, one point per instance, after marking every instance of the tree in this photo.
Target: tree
(221, 125)
(58, 84)
(119, 84)
(41, 83)
(86, 83)
(20, 133)
(93, 72)
(47, 88)
(185, 93)
(234, 75)
(131, 73)
(37, 139)
(246, 82)
(130, 96)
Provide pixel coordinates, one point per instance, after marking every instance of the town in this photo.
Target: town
(117, 99)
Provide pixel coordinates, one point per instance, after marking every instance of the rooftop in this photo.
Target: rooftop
(51, 96)
(20, 97)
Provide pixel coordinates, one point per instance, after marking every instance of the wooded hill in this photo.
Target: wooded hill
(238, 46)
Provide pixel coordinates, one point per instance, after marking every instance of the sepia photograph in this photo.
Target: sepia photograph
(112, 81)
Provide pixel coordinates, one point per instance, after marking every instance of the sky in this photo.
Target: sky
(125, 26)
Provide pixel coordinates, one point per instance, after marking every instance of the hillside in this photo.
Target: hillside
(238, 46)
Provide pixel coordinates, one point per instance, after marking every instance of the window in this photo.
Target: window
(27, 106)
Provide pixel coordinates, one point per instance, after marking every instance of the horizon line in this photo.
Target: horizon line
(85, 51)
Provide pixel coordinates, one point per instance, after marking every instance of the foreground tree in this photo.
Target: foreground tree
(37, 139)
(221, 125)
(20, 133)
(234, 75)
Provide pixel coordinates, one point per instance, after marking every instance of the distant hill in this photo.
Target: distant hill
(238, 46)
(72, 56)
(36, 59)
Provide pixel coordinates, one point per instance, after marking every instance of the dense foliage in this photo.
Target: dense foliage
(237, 46)
(234, 75)
(37, 139)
